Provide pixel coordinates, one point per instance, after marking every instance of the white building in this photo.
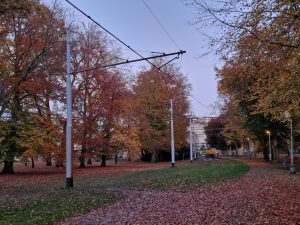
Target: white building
(198, 132)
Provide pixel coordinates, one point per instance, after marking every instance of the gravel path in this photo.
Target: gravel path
(263, 196)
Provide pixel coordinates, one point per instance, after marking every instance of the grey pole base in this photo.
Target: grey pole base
(69, 182)
(191, 161)
(173, 165)
(292, 169)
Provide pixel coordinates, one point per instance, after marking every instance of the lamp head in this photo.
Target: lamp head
(287, 114)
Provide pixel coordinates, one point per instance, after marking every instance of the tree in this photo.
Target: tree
(261, 40)
(7, 6)
(97, 94)
(214, 133)
(27, 36)
(259, 46)
(233, 19)
(126, 134)
(153, 92)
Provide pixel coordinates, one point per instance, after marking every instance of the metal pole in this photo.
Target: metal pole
(194, 142)
(191, 142)
(270, 151)
(69, 178)
(172, 136)
(292, 166)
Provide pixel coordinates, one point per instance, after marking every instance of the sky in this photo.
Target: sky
(132, 22)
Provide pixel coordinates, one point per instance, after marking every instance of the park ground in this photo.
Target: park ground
(204, 192)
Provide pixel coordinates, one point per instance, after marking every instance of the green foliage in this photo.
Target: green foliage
(23, 137)
(260, 73)
(213, 131)
(8, 141)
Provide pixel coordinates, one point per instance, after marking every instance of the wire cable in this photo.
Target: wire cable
(161, 25)
(200, 103)
(144, 51)
(118, 39)
(129, 61)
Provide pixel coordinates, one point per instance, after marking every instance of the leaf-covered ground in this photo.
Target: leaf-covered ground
(265, 195)
(39, 197)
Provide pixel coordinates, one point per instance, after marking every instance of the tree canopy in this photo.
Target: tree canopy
(111, 113)
(259, 79)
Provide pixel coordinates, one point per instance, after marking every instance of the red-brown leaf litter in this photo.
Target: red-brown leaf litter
(266, 195)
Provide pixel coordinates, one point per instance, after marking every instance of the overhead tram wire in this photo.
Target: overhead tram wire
(200, 102)
(129, 61)
(144, 51)
(161, 25)
(174, 42)
(118, 39)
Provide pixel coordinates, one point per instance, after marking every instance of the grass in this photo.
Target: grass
(181, 178)
(53, 208)
(47, 203)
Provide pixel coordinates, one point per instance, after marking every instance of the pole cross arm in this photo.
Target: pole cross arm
(134, 60)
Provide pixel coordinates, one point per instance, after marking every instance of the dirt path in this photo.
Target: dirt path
(264, 196)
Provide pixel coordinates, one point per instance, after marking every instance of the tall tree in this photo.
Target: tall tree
(229, 20)
(126, 134)
(27, 36)
(153, 92)
(214, 133)
(259, 45)
(96, 93)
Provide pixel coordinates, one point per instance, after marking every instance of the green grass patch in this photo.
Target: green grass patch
(53, 207)
(183, 178)
(180, 178)
(49, 202)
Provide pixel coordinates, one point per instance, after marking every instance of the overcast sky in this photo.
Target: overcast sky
(132, 22)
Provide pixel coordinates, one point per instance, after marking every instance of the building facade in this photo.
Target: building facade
(198, 133)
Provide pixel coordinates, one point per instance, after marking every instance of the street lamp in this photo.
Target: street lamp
(270, 151)
(292, 166)
(248, 139)
(250, 152)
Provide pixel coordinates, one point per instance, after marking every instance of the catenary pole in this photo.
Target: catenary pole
(69, 177)
(292, 166)
(191, 142)
(194, 142)
(172, 136)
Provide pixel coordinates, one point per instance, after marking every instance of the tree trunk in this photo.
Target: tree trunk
(89, 161)
(82, 161)
(8, 167)
(48, 161)
(84, 133)
(275, 149)
(103, 162)
(32, 162)
(116, 158)
(59, 164)
(154, 157)
(12, 146)
(82, 157)
(237, 149)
